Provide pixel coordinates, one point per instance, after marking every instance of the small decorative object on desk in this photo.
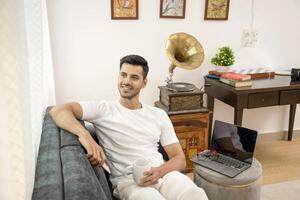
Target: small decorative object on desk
(295, 74)
(223, 59)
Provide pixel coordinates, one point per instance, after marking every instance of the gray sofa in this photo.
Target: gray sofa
(63, 170)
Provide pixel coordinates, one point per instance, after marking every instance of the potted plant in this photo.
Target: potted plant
(223, 59)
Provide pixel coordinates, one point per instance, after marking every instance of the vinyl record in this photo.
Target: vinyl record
(181, 87)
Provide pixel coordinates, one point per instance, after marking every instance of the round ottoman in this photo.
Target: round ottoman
(244, 186)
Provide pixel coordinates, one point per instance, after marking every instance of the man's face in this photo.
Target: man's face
(130, 80)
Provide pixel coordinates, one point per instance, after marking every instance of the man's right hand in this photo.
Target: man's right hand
(95, 153)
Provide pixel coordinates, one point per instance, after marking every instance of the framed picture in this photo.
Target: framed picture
(124, 9)
(172, 8)
(216, 9)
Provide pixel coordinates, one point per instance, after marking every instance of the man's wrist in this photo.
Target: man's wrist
(161, 171)
(82, 133)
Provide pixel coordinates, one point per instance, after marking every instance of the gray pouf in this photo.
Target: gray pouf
(246, 185)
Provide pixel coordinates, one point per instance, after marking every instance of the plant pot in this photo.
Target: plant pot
(222, 69)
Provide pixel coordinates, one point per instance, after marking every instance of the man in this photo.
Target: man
(128, 130)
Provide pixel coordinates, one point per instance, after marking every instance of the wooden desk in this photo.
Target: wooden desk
(264, 92)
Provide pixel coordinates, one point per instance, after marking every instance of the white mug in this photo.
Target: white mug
(138, 167)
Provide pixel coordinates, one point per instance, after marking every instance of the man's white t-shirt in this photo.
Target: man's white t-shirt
(126, 134)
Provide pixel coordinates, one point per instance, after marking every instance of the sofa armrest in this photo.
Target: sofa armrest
(63, 170)
(81, 180)
(48, 182)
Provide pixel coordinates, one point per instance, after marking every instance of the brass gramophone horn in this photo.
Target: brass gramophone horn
(184, 51)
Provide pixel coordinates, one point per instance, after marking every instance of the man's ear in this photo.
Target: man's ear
(145, 81)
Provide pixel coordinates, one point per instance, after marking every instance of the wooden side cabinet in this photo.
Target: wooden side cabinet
(192, 130)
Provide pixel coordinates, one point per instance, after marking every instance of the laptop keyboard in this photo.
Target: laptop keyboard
(228, 162)
(220, 163)
(216, 157)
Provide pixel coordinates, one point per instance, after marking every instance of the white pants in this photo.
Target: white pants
(173, 186)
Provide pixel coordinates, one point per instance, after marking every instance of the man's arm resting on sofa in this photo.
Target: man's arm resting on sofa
(176, 162)
(66, 116)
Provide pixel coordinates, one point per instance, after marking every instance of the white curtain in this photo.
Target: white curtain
(26, 89)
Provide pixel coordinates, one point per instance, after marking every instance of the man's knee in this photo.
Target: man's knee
(194, 193)
(177, 180)
(146, 193)
(179, 186)
(137, 194)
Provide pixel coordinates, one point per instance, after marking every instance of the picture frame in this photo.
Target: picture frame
(172, 9)
(216, 9)
(125, 9)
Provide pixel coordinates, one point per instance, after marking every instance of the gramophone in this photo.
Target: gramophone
(184, 51)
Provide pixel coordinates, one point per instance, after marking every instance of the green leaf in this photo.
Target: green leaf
(224, 57)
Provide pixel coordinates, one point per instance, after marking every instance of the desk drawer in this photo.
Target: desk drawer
(289, 97)
(263, 99)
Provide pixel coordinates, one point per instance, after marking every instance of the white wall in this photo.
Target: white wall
(87, 46)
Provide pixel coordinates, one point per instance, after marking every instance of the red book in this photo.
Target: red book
(236, 76)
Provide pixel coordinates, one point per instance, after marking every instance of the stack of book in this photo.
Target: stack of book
(257, 73)
(236, 79)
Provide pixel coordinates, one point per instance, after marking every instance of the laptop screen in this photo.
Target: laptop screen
(234, 141)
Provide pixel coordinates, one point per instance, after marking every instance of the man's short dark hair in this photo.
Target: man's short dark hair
(136, 60)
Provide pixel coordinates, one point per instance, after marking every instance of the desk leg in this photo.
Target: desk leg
(238, 117)
(210, 106)
(291, 120)
(210, 102)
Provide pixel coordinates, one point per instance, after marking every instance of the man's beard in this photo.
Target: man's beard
(128, 96)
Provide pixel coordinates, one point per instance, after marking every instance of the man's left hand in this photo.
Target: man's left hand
(151, 177)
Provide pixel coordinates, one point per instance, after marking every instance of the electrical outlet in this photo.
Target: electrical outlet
(249, 37)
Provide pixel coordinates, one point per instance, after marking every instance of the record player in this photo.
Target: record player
(184, 51)
(179, 101)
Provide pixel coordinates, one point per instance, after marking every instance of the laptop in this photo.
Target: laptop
(231, 149)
